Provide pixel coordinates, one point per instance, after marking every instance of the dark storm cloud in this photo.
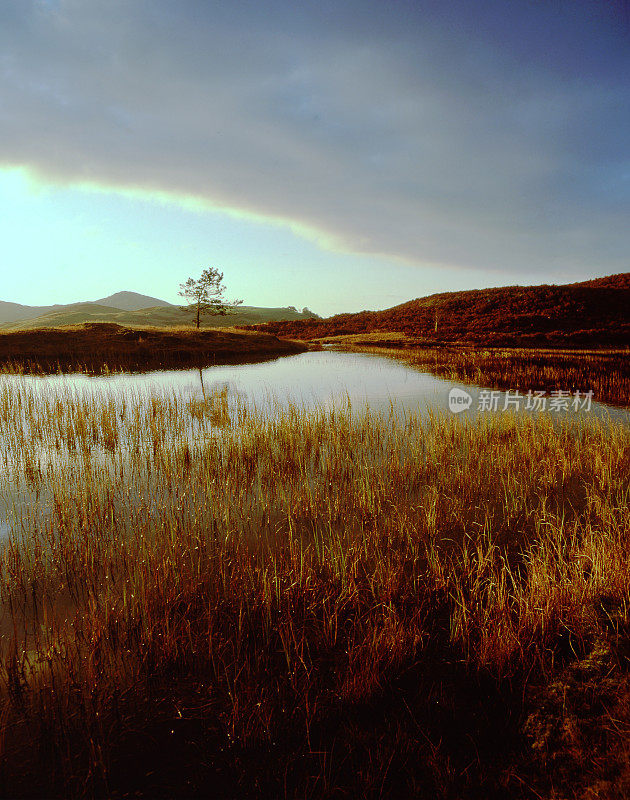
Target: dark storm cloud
(491, 134)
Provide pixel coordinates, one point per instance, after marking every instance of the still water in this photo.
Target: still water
(325, 379)
(312, 380)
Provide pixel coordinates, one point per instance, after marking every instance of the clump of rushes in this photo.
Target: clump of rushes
(310, 603)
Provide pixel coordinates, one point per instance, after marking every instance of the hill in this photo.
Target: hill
(131, 301)
(594, 312)
(620, 281)
(128, 301)
(132, 310)
(12, 312)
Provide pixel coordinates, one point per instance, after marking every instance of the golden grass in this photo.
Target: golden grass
(206, 600)
(100, 347)
(605, 371)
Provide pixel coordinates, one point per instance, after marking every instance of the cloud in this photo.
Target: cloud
(481, 141)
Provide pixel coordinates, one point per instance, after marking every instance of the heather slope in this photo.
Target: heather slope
(593, 312)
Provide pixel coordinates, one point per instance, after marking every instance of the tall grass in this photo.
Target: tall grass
(604, 372)
(205, 600)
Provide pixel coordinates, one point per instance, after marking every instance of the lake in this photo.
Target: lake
(316, 380)
(325, 379)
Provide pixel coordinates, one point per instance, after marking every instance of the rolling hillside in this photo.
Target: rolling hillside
(13, 312)
(127, 301)
(595, 312)
(132, 309)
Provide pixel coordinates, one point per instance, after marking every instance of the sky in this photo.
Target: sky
(337, 155)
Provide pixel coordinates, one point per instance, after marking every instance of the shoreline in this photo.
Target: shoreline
(101, 348)
(605, 372)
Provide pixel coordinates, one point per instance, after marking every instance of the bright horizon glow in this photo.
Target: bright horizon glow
(137, 241)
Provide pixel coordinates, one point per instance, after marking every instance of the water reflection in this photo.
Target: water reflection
(213, 398)
(314, 379)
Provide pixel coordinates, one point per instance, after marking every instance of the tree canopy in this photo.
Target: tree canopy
(204, 295)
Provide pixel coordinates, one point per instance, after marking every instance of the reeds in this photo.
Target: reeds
(219, 601)
(604, 372)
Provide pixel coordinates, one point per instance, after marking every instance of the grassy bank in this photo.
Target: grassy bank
(604, 371)
(107, 347)
(311, 605)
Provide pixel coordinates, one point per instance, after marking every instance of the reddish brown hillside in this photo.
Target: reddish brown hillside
(619, 281)
(593, 312)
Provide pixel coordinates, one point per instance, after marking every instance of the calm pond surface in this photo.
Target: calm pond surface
(311, 380)
(325, 379)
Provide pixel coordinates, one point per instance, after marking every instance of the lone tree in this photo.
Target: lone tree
(205, 295)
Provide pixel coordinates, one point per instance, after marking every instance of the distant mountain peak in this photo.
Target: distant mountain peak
(131, 301)
(130, 308)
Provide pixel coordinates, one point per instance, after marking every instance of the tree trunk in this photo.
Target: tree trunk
(198, 310)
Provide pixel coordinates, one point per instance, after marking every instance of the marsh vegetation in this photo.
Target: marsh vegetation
(104, 347)
(605, 372)
(204, 599)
